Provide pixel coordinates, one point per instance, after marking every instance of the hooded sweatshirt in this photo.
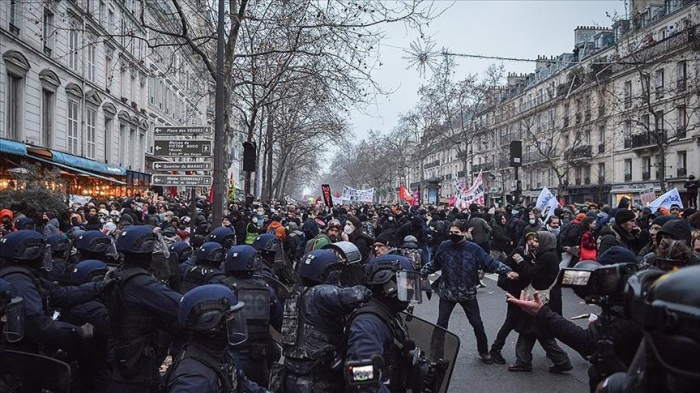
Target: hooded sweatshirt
(543, 268)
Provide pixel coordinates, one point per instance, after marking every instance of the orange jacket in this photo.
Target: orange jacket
(280, 232)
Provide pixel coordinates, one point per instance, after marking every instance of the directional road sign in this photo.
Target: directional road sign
(181, 180)
(180, 131)
(183, 148)
(182, 166)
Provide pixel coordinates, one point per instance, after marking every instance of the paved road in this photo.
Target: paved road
(471, 375)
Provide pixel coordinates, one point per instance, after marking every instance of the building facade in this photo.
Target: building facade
(78, 80)
(611, 119)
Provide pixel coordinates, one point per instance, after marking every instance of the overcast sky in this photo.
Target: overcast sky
(521, 29)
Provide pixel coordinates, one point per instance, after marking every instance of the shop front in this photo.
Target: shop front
(78, 175)
(638, 193)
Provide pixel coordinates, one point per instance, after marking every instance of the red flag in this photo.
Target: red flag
(211, 194)
(405, 195)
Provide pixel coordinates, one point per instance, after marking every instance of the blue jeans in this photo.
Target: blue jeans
(471, 308)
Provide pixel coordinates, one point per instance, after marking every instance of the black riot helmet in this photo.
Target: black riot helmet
(27, 248)
(211, 253)
(667, 307)
(94, 244)
(224, 236)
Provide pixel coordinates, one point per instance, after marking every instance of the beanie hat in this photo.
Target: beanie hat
(384, 237)
(580, 216)
(6, 213)
(623, 215)
(617, 254)
(662, 220)
(50, 215)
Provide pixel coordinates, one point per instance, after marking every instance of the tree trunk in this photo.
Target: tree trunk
(662, 167)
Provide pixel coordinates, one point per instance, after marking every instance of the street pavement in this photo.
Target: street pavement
(471, 375)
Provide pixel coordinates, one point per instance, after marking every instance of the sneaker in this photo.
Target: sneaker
(497, 357)
(486, 358)
(561, 368)
(520, 368)
(481, 284)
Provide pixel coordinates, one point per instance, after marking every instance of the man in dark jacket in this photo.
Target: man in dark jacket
(691, 187)
(459, 260)
(624, 232)
(540, 268)
(502, 243)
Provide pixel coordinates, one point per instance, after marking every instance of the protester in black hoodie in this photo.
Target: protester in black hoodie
(502, 243)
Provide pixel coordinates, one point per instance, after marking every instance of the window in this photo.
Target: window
(91, 49)
(133, 143)
(645, 123)
(90, 133)
(151, 90)
(108, 68)
(659, 121)
(628, 169)
(682, 122)
(46, 32)
(122, 32)
(134, 88)
(15, 9)
(646, 84)
(660, 83)
(110, 21)
(628, 94)
(682, 168)
(601, 173)
(73, 115)
(587, 138)
(586, 175)
(646, 168)
(108, 140)
(101, 12)
(122, 81)
(73, 49)
(681, 75)
(123, 131)
(577, 175)
(47, 111)
(15, 90)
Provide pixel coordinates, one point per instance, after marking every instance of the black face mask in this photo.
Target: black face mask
(456, 238)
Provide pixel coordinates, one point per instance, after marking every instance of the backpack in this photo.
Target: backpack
(413, 255)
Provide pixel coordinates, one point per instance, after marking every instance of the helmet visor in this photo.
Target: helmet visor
(409, 286)
(236, 328)
(14, 323)
(47, 260)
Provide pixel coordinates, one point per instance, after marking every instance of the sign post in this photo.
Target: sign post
(182, 166)
(181, 180)
(182, 148)
(180, 131)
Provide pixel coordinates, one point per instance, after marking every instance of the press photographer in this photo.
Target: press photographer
(611, 340)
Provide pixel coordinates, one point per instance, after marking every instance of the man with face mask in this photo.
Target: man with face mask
(459, 260)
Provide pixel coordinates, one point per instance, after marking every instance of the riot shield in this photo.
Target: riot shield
(283, 269)
(28, 372)
(439, 346)
(281, 289)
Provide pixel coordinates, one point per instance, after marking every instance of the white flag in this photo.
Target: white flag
(667, 200)
(546, 202)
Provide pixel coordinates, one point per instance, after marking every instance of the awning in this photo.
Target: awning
(87, 164)
(13, 147)
(77, 170)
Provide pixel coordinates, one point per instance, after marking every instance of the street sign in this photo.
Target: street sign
(180, 131)
(182, 166)
(182, 148)
(181, 180)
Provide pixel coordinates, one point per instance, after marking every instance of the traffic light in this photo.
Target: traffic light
(249, 158)
(516, 153)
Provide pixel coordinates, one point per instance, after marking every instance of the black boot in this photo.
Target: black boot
(496, 356)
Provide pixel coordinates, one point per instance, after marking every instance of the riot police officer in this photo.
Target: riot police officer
(224, 236)
(212, 315)
(206, 270)
(24, 254)
(96, 245)
(138, 307)
(666, 306)
(92, 361)
(262, 310)
(313, 325)
(180, 261)
(60, 251)
(377, 336)
(275, 263)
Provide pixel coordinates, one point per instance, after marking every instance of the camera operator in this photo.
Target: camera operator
(666, 306)
(624, 334)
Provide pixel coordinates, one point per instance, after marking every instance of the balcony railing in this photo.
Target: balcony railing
(577, 181)
(587, 116)
(682, 172)
(601, 179)
(482, 167)
(628, 177)
(659, 93)
(580, 152)
(14, 29)
(601, 148)
(681, 132)
(646, 175)
(586, 180)
(431, 164)
(645, 139)
(535, 156)
(628, 102)
(47, 50)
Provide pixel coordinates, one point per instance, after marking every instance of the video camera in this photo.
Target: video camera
(596, 283)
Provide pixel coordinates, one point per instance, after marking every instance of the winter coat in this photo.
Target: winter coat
(613, 235)
(501, 239)
(587, 249)
(51, 228)
(529, 229)
(279, 230)
(691, 186)
(481, 230)
(460, 264)
(571, 235)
